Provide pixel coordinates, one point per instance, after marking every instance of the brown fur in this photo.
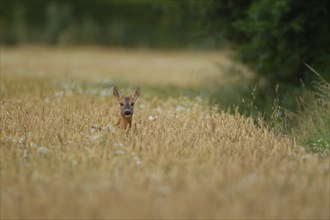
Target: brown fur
(126, 104)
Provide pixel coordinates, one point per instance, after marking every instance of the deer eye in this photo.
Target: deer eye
(121, 104)
(132, 104)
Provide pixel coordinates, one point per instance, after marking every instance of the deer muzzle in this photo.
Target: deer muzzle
(128, 113)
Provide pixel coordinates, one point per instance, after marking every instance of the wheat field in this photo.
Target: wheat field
(63, 157)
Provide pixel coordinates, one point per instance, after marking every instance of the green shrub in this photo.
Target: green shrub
(282, 35)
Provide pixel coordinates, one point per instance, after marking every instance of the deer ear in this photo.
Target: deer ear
(116, 92)
(136, 93)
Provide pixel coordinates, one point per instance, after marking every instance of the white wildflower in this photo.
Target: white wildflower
(120, 152)
(137, 160)
(159, 109)
(42, 150)
(96, 128)
(33, 145)
(21, 140)
(118, 145)
(95, 137)
(180, 108)
(152, 118)
(26, 154)
(59, 93)
(111, 128)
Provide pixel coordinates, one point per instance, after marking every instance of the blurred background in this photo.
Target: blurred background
(275, 38)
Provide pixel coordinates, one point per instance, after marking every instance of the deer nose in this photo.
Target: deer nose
(127, 113)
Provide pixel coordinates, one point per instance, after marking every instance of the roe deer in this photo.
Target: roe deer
(126, 107)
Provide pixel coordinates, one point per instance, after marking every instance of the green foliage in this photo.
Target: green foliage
(282, 35)
(275, 38)
(313, 127)
(118, 23)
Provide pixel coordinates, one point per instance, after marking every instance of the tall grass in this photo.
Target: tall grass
(302, 112)
(313, 128)
(62, 156)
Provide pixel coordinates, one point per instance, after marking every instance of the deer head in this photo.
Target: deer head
(126, 106)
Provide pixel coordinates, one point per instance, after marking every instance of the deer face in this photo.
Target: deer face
(126, 102)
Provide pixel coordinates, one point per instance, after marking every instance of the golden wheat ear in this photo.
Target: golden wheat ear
(116, 92)
(136, 93)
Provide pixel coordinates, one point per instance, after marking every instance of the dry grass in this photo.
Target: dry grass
(142, 67)
(181, 160)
